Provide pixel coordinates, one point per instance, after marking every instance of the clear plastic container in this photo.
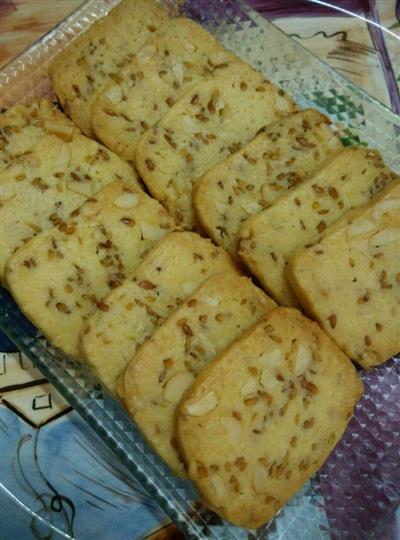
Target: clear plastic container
(358, 489)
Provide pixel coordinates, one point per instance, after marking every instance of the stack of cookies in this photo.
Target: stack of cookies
(167, 138)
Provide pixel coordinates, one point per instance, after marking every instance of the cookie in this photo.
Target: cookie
(350, 280)
(22, 126)
(250, 180)
(171, 61)
(81, 70)
(165, 365)
(264, 415)
(45, 183)
(170, 273)
(298, 218)
(214, 119)
(60, 276)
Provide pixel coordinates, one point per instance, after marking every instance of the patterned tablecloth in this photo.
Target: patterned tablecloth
(53, 469)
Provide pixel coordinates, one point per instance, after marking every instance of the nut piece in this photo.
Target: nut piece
(268, 380)
(7, 192)
(260, 478)
(203, 405)
(146, 52)
(249, 388)
(386, 206)
(360, 226)
(206, 344)
(189, 46)
(151, 233)
(232, 427)
(218, 485)
(176, 386)
(60, 130)
(114, 94)
(249, 206)
(63, 159)
(281, 104)
(210, 301)
(219, 104)
(391, 234)
(188, 287)
(189, 124)
(273, 358)
(83, 188)
(221, 207)
(126, 200)
(303, 359)
(177, 70)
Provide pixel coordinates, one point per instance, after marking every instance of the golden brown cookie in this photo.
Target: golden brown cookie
(350, 280)
(172, 60)
(45, 183)
(252, 178)
(171, 272)
(214, 119)
(60, 276)
(81, 70)
(264, 416)
(165, 365)
(298, 218)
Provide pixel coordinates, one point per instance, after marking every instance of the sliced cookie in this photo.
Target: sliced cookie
(265, 415)
(350, 280)
(171, 61)
(215, 118)
(44, 184)
(59, 277)
(250, 180)
(22, 126)
(81, 70)
(268, 239)
(170, 273)
(165, 365)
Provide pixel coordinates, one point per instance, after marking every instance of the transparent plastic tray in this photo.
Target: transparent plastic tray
(358, 489)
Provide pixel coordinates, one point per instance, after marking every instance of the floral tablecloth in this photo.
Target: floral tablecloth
(53, 469)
